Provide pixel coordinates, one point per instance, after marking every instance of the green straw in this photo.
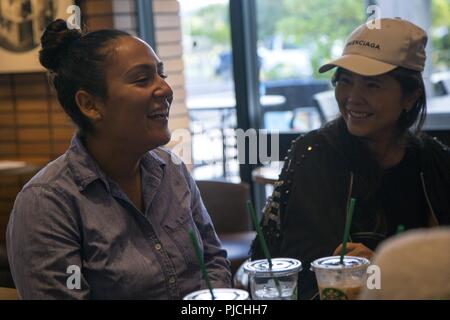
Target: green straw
(263, 243)
(202, 263)
(259, 233)
(348, 224)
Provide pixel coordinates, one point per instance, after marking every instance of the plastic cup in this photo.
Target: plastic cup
(263, 285)
(219, 294)
(338, 281)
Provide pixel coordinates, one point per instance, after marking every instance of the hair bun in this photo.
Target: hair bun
(55, 41)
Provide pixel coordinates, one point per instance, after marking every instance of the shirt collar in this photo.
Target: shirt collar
(86, 170)
(152, 159)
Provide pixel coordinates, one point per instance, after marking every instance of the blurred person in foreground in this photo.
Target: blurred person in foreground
(414, 265)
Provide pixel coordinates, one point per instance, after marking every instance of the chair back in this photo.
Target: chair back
(226, 205)
(6, 280)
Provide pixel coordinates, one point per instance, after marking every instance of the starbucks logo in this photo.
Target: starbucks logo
(333, 294)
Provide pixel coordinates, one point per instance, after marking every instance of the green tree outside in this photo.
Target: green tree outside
(317, 25)
(320, 26)
(212, 22)
(440, 34)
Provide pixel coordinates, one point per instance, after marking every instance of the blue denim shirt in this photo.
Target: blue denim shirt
(71, 217)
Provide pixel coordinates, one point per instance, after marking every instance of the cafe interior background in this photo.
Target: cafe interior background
(232, 64)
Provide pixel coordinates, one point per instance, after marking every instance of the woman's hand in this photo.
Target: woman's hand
(355, 250)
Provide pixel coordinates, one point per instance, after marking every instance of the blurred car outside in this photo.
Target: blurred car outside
(441, 83)
(277, 60)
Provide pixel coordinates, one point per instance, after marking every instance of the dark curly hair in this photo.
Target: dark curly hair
(76, 60)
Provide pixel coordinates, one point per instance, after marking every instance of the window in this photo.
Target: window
(210, 97)
(294, 39)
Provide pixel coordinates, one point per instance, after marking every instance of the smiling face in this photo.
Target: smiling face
(136, 108)
(370, 106)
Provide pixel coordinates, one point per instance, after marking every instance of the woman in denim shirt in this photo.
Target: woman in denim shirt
(110, 218)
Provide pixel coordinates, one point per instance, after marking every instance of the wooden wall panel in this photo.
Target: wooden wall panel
(32, 119)
(169, 48)
(162, 21)
(31, 104)
(7, 134)
(7, 119)
(7, 149)
(166, 6)
(40, 149)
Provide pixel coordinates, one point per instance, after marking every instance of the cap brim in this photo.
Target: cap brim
(359, 64)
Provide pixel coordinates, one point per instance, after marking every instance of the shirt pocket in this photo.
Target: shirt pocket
(178, 230)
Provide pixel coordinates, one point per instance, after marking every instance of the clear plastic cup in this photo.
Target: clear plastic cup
(338, 281)
(278, 283)
(219, 294)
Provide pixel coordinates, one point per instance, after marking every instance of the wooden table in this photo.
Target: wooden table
(8, 294)
(15, 167)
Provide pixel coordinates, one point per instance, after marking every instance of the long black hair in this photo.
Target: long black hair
(76, 60)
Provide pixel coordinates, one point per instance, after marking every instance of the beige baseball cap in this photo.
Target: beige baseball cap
(371, 52)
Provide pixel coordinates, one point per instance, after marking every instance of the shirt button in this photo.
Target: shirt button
(158, 246)
(172, 280)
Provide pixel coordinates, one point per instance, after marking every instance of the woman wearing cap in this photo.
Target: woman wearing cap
(110, 219)
(374, 152)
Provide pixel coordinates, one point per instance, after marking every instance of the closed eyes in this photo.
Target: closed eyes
(142, 80)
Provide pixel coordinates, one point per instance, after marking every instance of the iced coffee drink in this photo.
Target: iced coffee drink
(338, 281)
